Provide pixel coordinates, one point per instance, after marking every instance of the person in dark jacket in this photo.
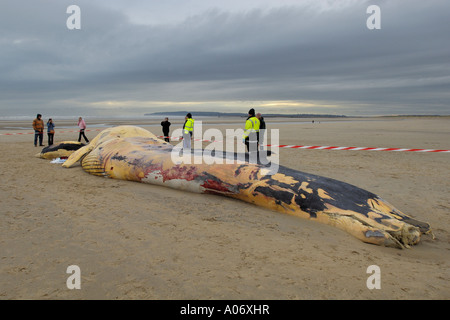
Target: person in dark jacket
(165, 129)
(262, 129)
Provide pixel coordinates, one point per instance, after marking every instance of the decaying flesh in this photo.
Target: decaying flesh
(133, 153)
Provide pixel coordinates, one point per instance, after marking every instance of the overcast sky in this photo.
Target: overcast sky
(132, 57)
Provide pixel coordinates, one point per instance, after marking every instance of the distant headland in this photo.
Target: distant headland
(231, 114)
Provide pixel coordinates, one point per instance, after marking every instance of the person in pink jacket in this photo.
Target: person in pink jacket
(82, 126)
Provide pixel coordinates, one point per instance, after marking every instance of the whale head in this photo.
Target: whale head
(63, 149)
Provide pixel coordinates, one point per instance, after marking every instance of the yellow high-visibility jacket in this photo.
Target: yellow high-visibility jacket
(189, 126)
(251, 125)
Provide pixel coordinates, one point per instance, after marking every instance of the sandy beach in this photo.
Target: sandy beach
(139, 241)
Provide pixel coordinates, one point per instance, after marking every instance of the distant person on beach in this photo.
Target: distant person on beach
(82, 126)
(188, 128)
(165, 129)
(50, 131)
(38, 126)
(262, 129)
(251, 133)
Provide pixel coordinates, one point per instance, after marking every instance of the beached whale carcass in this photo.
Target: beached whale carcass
(133, 153)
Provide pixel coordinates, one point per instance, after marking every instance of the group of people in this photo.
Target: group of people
(254, 125)
(38, 126)
(254, 130)
(188, 128)
(253, 134)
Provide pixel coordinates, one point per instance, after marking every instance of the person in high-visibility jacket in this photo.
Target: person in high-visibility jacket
(188, 128)
(251, 130)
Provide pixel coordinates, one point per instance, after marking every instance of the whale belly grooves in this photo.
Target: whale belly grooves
(132, 153)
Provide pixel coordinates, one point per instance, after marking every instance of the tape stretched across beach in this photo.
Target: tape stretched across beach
(356, 148)
(60, 131)
(281, 145)
(329, 147)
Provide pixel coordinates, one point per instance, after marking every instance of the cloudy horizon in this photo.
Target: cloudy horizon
(291, 56)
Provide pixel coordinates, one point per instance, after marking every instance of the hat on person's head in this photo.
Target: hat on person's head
(251, 111)
(189, 115)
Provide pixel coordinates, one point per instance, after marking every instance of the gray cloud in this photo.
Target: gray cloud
(276, 53)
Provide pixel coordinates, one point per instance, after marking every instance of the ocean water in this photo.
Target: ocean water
(93, 119)
(102, 122)
(75, 118)
(94, 125)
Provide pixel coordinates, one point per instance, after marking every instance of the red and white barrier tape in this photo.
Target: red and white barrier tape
(331, 148)
(282, 145)
(59, 131)
(356, 148)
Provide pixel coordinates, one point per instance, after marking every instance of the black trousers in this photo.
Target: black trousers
(166, 136)
(82, 135)
(254, 141)
(252, 144)
(50, 138)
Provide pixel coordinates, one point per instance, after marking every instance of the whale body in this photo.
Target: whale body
(135, 154)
